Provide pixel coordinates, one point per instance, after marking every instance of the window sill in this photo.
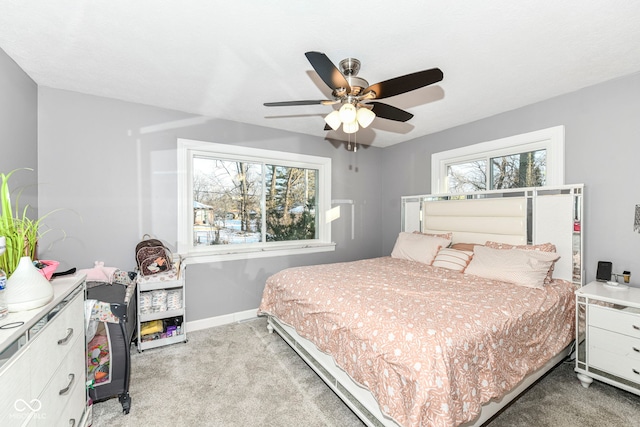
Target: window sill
(240, 254)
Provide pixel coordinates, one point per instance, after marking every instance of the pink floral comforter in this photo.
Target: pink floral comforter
(431, 344)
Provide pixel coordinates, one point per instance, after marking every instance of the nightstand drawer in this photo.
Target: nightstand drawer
(614, 353)
(615, 320)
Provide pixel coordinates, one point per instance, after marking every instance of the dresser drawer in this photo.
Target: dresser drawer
(15, 394)
(67, 386)
(614, 353)
(52, 344)
(615, 320)
(74, 411)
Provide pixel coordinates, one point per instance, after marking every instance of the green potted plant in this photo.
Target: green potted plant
(20, 231)
(26, 288)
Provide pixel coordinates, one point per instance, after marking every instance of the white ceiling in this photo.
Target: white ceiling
(225, 59)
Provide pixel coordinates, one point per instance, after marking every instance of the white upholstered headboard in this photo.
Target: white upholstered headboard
(479, 220)
(518, 216)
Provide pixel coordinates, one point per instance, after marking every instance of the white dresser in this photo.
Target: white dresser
(42, 361)
(608, 335)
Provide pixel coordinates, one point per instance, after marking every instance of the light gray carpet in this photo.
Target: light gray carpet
(240, 375)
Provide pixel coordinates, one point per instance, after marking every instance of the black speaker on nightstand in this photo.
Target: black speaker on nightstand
(604, 271)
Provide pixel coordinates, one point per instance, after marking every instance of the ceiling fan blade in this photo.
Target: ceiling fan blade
(327, 71)
(389, 112)
(291, 103)
(405, 83)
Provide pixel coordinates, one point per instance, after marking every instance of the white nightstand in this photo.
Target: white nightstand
(608, 335)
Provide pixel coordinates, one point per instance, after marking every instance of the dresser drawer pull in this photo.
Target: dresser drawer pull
(635, 371)
(636, 327)
(72, 422)
(636, 349)
(67, 338)
(68, 387)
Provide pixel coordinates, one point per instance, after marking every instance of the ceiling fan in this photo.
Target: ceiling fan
(356, 95)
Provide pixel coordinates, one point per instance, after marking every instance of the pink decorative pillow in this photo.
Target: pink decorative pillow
(452, 259)
(517, 266)
(543, 247)
(448, 235)
(418, 247)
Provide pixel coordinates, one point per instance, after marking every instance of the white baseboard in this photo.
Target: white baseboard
(210, 322)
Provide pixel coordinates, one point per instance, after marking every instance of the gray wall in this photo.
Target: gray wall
(111, 166)
(18, 131)
(602, 150)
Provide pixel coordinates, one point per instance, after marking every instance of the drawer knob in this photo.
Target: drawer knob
(67, 338)
(68, 387)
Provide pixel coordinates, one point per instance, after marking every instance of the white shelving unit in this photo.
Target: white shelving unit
(161, 282)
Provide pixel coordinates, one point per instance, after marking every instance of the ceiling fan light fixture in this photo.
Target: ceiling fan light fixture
(351, 127)
(347, 113)
(351, 91)
(365, 116)
(333, 120)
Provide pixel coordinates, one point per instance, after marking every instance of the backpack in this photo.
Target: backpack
(152, 256)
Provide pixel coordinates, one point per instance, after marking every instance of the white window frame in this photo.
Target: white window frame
(550, 139)
(187, 149)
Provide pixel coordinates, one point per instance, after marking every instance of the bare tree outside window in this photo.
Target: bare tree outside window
(519, 170)
(229, 202)
(467, 177)
(226, 192)
(512, 171)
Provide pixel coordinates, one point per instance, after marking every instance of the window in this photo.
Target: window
(533, 159)
(235, 201)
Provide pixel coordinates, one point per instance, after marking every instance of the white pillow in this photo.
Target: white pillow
(452, 259)
(418, 247)
(525, 268)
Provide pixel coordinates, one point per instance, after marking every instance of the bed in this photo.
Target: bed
(407, 343)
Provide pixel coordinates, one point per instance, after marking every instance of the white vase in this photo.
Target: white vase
(27, 288)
